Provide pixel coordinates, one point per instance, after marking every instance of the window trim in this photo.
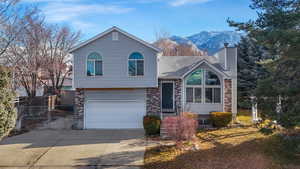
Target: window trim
(203, 87)
(94, 61)
(128, 74)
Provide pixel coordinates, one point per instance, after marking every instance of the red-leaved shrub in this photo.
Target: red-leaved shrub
(182, 127)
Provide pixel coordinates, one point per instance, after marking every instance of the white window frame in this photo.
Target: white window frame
(135, 62)
(213, 92)
(203, 87)
(94, 63)
(195, 87)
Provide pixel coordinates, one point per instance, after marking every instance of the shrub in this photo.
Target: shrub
(151, 124)
(220, 119)
(180, 128)
(7, 109)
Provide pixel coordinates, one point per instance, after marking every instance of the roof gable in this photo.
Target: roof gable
(179, 66)
(111, 30)
(204, 61)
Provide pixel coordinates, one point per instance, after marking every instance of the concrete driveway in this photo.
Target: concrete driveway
(86, 149)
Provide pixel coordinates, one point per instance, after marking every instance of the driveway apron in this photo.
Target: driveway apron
(74, 149)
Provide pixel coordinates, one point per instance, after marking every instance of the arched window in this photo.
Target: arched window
(212, 88)
(136, 64)
(94, 65)
(195, 78)
(194, 86)
(203, 80)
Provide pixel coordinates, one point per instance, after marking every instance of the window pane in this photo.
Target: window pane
(195, 78)
(90, 68)
(140, 67)
(217, 95)
(208, 95)
(189, 94)
(211, 78)
(95, 55)
(132, 68)
(136, 55)
(98, 67)
(198, 95)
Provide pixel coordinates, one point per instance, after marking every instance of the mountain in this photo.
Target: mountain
(209, 41)
(173, 48)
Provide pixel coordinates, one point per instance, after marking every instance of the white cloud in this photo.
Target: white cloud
(81, 25)
(184, 2)
(56, 12)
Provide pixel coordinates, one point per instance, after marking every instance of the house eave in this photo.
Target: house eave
(210, 65)
(109, 31)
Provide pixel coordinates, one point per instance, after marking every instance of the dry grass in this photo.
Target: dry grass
(235, 148)
(244, 117)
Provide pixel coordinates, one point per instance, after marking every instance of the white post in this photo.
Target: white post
(254, 110)
(278, 107)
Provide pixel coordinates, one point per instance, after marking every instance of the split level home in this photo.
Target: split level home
(119, 78)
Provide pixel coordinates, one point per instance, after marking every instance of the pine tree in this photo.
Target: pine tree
(249, 70)
(7, 108)
(277, 29)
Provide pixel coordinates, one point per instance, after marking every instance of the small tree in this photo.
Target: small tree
(181, 128)
(7, 108)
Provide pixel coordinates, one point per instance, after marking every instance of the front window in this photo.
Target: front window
(200, 89)
(212, 88)
(136, 64)
(94, 65)
(194, 87)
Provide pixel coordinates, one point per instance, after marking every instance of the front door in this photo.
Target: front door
(167, 97)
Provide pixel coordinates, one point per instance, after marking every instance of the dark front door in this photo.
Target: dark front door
(167, 97)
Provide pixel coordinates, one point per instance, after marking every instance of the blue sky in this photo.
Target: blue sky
(145, 17)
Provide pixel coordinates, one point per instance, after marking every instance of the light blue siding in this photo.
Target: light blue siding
(115, 64)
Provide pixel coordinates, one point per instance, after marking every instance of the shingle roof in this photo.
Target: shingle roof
(177, 66)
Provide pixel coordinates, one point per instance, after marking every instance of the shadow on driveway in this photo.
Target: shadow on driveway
(74, 148)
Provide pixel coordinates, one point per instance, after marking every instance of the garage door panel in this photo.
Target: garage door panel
(114, 114)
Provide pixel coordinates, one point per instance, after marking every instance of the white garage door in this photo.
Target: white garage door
(114, 114)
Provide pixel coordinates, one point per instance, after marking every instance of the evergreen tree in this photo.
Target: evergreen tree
(7, 108)
(277, 29)
(249, 70)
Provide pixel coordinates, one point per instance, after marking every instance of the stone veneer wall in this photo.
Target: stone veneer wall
(153, 97)
(153, 101)
(178, 95)
(227, 95)
(79, 109)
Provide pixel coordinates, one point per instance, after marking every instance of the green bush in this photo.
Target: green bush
(220, 119)
(7, 108)
(152, 125)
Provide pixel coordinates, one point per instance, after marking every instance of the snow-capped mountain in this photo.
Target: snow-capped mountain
(209, 41)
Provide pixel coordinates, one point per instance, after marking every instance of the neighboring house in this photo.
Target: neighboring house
(119, 78)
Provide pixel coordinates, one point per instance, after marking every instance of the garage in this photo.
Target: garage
(114, 109)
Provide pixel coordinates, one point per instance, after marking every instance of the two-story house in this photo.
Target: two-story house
(119, 78)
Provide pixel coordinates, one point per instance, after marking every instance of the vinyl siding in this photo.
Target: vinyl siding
(115, 64)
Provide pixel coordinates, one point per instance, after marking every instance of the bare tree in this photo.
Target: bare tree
(40, 56)
(12, 21)
(57, 63)
(26, 54)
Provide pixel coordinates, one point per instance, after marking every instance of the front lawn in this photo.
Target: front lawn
(234, 148)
